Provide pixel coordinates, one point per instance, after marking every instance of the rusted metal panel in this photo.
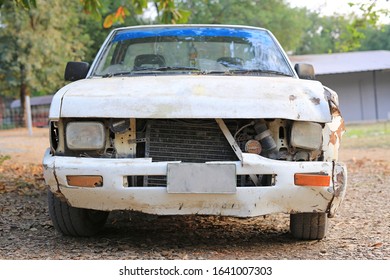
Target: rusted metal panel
(125, 143)
(196, 96)
(333, 130)
(332, 134)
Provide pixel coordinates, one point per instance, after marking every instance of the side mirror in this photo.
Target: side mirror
(305, 71)
(76, 71)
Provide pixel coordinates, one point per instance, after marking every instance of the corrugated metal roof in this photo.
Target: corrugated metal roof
(345, 62)
(36, 100)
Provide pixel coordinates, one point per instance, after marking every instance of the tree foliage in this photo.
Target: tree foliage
(340, 33)
(36, 44)
(166, 11)
(285, 22)
(376, 38)
(38, 37)
(322, 34)
(26, 4)
(355, 28)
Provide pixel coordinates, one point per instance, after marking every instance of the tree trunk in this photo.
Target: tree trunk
(24, 91)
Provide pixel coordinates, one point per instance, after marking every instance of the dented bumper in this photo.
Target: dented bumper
(247, 201)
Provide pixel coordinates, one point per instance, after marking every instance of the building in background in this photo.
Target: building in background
(9, 118)
(11, 113)
(361, 79)
(40, 107)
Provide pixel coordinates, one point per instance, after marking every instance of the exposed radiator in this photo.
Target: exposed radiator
(187, 141)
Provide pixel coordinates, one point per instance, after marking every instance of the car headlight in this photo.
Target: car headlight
(85, 136)
(306, 135)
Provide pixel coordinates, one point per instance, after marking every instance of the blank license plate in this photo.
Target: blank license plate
(201, 178)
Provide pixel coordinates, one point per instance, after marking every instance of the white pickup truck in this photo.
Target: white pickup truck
(193, 119)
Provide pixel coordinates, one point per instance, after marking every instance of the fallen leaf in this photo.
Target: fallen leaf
(377, 245)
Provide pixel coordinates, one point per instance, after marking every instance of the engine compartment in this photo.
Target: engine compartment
(196, 140)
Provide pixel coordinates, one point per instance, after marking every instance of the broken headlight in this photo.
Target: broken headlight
(85, 136)
(306, 135)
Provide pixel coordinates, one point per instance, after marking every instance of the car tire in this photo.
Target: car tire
(74, 221)
(309, 226)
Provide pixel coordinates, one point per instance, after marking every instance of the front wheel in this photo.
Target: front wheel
(74, 221)
(309, 226)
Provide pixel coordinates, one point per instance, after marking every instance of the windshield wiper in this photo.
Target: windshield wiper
(258, 71)
(144, 70)
(174, 68)
(108, 75)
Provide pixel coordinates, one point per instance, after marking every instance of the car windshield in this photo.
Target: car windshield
(192, 50)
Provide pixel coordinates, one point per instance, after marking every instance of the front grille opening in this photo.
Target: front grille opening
(187, 141)
(145, 181)
(264, 180)
(133, 181)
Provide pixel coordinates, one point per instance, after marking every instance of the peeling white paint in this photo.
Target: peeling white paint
(195, 96)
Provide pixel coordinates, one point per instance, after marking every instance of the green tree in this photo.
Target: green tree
(288, 24)
(27, 4)
(376, 38)
(166, 11)
(35, 45)
(92, 23)
(341, 33)
(322, 34)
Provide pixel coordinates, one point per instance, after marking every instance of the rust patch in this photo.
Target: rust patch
(335, 111)
(333, 138)
(341, 129)
(315, 101)
(336, 135)
(292, 97)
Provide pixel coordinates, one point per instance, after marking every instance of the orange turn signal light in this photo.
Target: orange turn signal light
(86, 181)
(311, 180)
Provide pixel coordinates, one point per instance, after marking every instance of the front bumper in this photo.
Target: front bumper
(284, 196)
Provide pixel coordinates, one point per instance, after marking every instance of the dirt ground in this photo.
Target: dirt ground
(360, 231)
(22, 148)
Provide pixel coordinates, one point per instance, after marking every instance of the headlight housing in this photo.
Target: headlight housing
(85, 136)
(306, 135)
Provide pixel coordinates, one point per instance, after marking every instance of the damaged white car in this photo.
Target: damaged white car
(193, 120)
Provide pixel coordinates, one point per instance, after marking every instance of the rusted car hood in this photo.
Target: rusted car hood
(193, 97)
